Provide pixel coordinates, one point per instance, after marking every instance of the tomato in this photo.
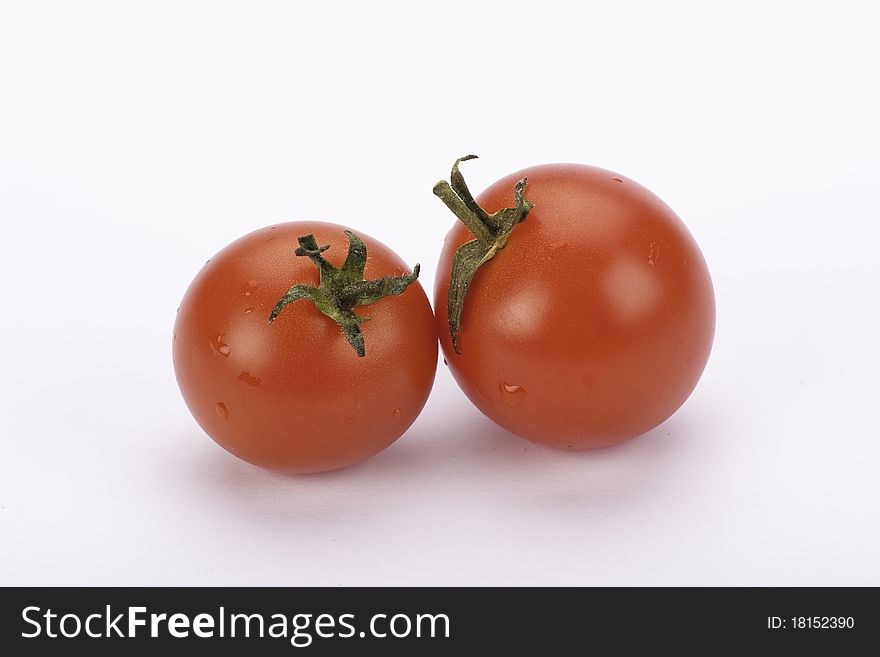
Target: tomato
(592, 323)
(294, 393)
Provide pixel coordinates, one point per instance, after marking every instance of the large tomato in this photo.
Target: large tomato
(591, 323)
(304, 393)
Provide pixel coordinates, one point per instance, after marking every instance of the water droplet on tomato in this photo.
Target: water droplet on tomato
(653, 253)
(512, 392)
(248, 311)
(249, 288)
(250, 379)
(222, 410)
(219, 346)
(223, 348)
(396, 412)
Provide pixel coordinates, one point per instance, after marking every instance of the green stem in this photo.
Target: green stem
(340, 289)
(490, 231)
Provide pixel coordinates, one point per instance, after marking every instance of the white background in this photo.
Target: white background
(137, 139)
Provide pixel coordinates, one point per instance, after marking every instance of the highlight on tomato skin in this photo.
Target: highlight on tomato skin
(283, 380)
(573, 306)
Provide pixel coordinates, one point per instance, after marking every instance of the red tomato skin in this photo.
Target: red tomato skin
(293, 395)
(594, 323)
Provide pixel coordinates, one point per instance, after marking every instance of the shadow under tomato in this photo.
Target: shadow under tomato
(645, 471)
(360, 491)
(472, 447)
(438, 467)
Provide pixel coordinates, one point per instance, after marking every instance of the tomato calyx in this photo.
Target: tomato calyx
(340, 289)
(490, 231)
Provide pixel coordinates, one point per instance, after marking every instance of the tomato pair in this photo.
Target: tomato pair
(572, 305)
